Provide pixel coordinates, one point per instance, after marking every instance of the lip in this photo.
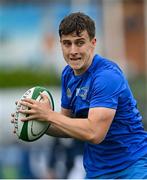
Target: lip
(75, 59)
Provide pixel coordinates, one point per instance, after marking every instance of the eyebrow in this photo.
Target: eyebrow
(80, 39)
(74, 40)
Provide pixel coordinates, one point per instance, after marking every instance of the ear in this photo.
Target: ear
(94, 41)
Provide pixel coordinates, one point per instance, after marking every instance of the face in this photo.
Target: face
(78, 51)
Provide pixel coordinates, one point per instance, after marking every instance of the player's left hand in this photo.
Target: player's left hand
(38, 110)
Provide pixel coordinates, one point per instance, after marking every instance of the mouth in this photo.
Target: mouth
(75, 59)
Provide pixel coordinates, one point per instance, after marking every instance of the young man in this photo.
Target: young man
(97, 106)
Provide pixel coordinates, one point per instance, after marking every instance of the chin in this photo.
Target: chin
(75, 68)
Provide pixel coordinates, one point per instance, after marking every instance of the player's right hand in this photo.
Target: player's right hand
(13, 118)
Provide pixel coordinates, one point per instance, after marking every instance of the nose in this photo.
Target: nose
(73, 50)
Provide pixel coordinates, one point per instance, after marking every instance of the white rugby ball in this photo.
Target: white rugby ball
(31, 130)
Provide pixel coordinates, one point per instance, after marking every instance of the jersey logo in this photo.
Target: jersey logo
(68, 93)
(82, 92)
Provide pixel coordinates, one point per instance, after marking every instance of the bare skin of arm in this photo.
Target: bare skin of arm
(56, 132)
(93, 129)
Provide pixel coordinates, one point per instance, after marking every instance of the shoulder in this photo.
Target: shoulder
(110, 75)
(101, 64)
(106, 68)
(109, 79)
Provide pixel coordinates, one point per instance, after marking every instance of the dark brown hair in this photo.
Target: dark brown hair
(77, 22)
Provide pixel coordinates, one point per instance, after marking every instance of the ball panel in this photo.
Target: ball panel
(37, 91)
(29, 133)
(23, 135)
(36, 128)
(28, 93)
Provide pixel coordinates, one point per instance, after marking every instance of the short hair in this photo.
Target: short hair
(77, 22)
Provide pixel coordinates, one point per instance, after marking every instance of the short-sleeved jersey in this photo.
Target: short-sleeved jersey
(104, 85)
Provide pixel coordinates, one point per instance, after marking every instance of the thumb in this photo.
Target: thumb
(44, 97)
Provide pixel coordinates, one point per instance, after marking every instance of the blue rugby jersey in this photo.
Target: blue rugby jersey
(104, 85)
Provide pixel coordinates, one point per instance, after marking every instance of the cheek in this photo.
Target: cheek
(87, 51)
(65, 56)
(64, 52)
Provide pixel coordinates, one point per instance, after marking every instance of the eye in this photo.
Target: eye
(66, 43)
(80, 43)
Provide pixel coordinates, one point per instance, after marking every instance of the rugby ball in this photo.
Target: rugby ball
(31, 130)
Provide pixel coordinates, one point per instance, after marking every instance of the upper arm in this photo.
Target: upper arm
(106, 89)
(100, 119)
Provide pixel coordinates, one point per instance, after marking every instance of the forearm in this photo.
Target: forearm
(56, 132)
(76, 128)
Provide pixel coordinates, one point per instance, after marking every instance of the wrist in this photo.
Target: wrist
(50, 116)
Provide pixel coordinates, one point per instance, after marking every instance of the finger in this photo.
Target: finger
(28, 118)
(12, 121)
(16, 102)
(13, 117)
(31, 101)
(14, 131)
(44, 97)
(12, 114)
(26, 104)
(26, 111)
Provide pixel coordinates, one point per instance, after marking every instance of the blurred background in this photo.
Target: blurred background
(30, 55)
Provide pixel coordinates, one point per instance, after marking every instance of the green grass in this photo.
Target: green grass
(24, 77)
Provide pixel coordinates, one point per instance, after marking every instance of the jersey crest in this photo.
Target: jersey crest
(82, 92)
